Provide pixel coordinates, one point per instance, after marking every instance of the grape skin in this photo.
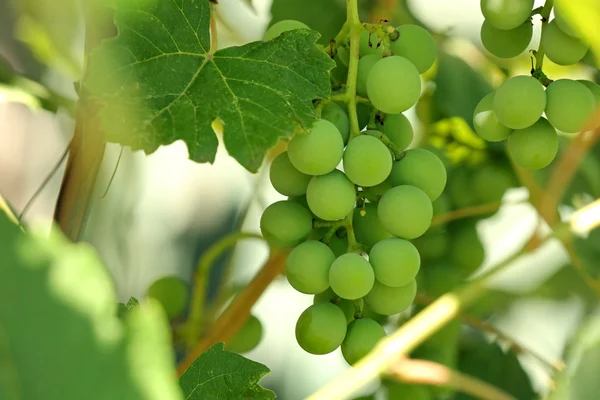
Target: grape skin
(285, 178)
(347, 306)
(368, 228)
(331, 197)
(561, 48)
(283, 26)
(506, 43)
(405, 211)
(486, 123)
(595, 89)
(394, 85)
(336, 114)
(422, 169)
(367, 161)
(388, 300)
(519, 102)
(416, 44)
(365, 64)
(563, 24)
(395, 262)
(466, 250)
(285, 223)
(534, 147)
(247, 338)
(570, 105)
(351, 276)
(307, 267)
(172, 293)
(361, 336)
(502, 178)
(319, 151)
(432, 245)
(398, 129)
(506, 14)
(321, 328)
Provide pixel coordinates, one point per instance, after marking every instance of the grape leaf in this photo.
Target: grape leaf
(60, 338)
(158, 81)
(223, 375)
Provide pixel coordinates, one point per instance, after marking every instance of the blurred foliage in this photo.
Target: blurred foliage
(584, 16)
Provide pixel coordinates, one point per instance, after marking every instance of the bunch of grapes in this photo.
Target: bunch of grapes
(515, 111)
(351, 227)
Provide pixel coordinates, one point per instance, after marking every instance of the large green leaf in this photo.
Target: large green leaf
(60, 338)
(223, 375)
(159, 82)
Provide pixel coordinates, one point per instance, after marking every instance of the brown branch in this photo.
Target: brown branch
(431, 373)
(466, 212)
(238, 311)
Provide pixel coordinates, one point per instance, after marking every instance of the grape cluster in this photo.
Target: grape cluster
(351, 228)
(515, 111)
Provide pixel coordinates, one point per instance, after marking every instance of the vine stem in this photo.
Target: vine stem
(353, 21)
(466, 212)
(545, 14)
(432, 373)
(193, 326)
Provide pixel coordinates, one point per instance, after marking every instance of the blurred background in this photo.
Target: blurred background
(161, 212)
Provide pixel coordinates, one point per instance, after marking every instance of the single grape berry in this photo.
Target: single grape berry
(172, 293)
(283, 26)
(466, 250)
(336, 114)
(486, 123)
(347, 306)
(338, 244)
(361, 336)
(367, 161)
(502, 177)
(459, 188)
(595, 89)
(368, 228)
(285, 178)
(285, 223)
(321, 328)
(374, 193)
(394, 85)
(416, 44)
(534, 147)
(398, 129)
(432, 245)
(395, 261)
(319, 151)
(247, 338)
(506, 14)
(405, 211)
(562, 48)
(351, 276)
(387, 300)
(570, 105)
(562, 23)
(307, 267)
(365, 64)
(519, 102)
(422, 169)
(331, 196)
(506, 44)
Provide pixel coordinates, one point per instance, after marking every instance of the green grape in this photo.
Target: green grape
(319, 151)
(561, 48)
(486, 123)
(389, 300)
(247, 338)
(466, 250)
(307, 267)
(368, 228)
(440, 278)
(398, 129)
(490, 182)
(367, 38)
(364, 67)
(300, 200)
(432, 245)
(283, 26)
(363, 113)
(339, 245)
(367, 161)
(591, 60)
(519, 102)
(321, 328)
(595, 89)
(347, 306)
(374, 193)
(506, 14)
(361, 336)
(332, 196)
(562, 22)
(441, 205)
(416, 44)
(405, 211)
(351, 276)
(506, 44)
(336, 114)
(172, 293)
(393, 85)
(459, 188)
(534, 147)
(395, 262)
(422, 169)
(285, 224)
(570, 105)
(367, 312)
(285, 178)
(406, 391)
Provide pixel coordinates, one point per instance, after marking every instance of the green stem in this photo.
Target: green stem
(352, 244)
(545, 14)
(353, 21)
(193, 325)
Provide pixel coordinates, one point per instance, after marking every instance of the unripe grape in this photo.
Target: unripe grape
(172, 293)
(388, 300)
(416, 44)
(466, 251)
(506, 14)
(398, 129)
(319, 151)
(367, 161)
(405, 211)
(321, 328)
(283, 26)
(368, 228)
(506, 43)
(361, 336)
(365, 64)
(351, 276)
(395, 261)
(285, 223)
(563, 24)
(490, 182)
(247, 338)
(519, 102)
(394, 85)
(337, 115)
(285, 178)
(422, 169)
(560, 47)
(486, 123)
(331, 196)
(534, 147)
(307, 267)
(570, 105)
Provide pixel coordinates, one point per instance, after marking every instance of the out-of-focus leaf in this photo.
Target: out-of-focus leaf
(223, 375)
(60, 338)
(584, 17)
(565, 283)
(124, 309)
(158, 82)
(488, 362)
